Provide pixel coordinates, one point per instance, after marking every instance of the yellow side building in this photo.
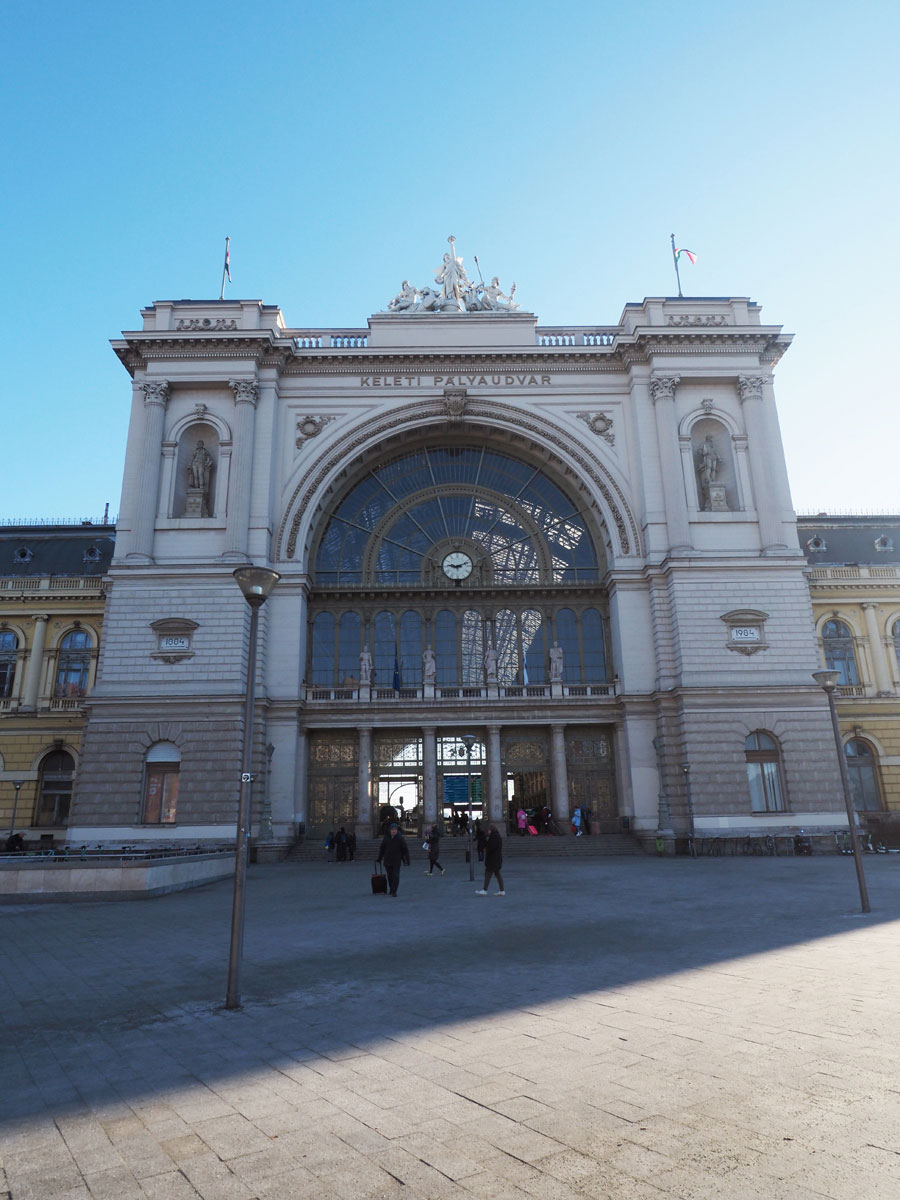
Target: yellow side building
(51, 619)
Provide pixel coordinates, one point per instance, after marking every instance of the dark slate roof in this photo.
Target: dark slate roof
(850, 540)
(28, 551)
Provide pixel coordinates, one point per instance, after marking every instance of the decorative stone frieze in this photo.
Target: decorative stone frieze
(698, 319)
(183, 324)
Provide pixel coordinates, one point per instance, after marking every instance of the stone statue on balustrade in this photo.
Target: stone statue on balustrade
(457, 293)
(365, 668)
(490, 664)
(429, 666)
(493, 299)
(556, 663)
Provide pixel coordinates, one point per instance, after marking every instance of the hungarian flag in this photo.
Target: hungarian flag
(398, 678)
(678, 253)
(228, 261)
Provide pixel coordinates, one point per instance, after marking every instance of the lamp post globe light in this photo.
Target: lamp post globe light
(827, 681)
(256, 584)
(468, 740)
(686, 769)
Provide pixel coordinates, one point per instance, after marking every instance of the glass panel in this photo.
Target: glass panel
(506, 643)
(76, 640)
(170, 798)
(594, 646)
(322, 670)
(757, 787)
(445, 647)
(385, 649)
(411, 648)
(8, 641)
(472, 649)
(153, 795)
(567, 636)
(773, 786)
(7, 674)
(349, 646)
(863, 779)
(840, 655)
(896, 636)
(534, 644)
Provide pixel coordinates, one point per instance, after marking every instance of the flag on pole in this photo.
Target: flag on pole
(678, 253)
(228, 258)
(398, 678)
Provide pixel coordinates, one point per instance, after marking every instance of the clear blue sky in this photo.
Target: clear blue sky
(338, 145)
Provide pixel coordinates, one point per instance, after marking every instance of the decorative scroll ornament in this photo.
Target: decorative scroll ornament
(600, 423)
(455, 400)
(246, 391)
(750, 386)
(456, 294)
(156, 391)
(310, 426)
(662, 387)
(698, 319)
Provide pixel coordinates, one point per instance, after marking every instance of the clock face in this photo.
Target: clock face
(457, 565)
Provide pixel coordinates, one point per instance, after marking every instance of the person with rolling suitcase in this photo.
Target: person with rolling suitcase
(392, 852)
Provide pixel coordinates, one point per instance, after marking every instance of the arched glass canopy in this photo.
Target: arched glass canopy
(399, 521)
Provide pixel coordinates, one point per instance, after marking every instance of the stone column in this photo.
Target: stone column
(750, 390)
(495, 776)
(559, 777)
(429, 771)
(237, 525)
(662, 390)
(364, 818)
(32, 684)
(876, 650)
(146, 503)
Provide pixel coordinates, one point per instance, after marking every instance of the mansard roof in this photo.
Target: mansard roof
(40, 551)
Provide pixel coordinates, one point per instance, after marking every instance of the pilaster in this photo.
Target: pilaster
(662, 391)
(146, 503)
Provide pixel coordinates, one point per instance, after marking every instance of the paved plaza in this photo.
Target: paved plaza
(630, 1028)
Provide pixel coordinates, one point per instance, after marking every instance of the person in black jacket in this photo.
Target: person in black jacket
(392, 852)
(434, 849)
(493, 860)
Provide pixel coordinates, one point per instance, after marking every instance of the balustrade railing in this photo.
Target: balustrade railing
(440, 692)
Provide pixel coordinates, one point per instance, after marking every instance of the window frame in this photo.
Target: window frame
(764, 765)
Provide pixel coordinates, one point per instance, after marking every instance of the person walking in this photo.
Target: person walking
(521, 820)
(493, 860)
(392, 852)
(434, 848)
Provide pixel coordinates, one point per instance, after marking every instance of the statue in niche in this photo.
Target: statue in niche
(365, 668)
(556, 663)
(490, 664)
(200, 466)
(429, 666)
(708, 462)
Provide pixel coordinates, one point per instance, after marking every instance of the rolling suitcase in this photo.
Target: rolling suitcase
(379, 881)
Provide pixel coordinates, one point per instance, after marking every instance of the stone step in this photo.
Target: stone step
(453, 848)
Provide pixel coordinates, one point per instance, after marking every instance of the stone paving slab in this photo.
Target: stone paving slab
(620, 1028)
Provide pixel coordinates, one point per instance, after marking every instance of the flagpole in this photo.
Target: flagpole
(677, 275)
(225, 268)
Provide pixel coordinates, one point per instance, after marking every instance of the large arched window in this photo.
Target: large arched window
(322, 671)
(567, 637)
(445, 647)
(594, 642)
(349, 646)
(411, 648)
(397, 524)
(764, 772)
(863, 772)
(840, 655)
(161, 770)
(534, 647)
(9, 646)
(472, 649)
(895, 633)
(386, 650)
(55, 789)
(73, 664)
(506, 643)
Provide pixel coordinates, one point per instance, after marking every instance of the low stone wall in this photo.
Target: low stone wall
(28, 880)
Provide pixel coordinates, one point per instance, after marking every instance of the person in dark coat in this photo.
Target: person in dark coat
(341, 844)
(351, 845)
(493, 860)
(480, 840)
(392, 852)
(434, 849)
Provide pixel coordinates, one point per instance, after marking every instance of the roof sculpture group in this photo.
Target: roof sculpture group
(457, 293)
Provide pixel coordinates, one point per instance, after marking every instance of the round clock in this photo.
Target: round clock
(457, 565)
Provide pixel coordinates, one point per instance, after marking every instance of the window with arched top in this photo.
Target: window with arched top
(73, 664)
(862, 770)
(411, 647)
(534, 647)
(895, 635)
(57, 771)
(349, 646)
(764, 778)
(162, 766)
(445, 647)
(9, 649)
(840, 653)
(567, 637)
(322, 665)
(594, 646)
(472, 648)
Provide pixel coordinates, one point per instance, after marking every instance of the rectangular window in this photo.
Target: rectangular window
(161, 794)
(765, 787)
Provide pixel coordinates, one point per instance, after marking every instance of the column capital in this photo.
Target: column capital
(494, 729)
(156, 391)
(750, 387)
(868, 604)
(558, 727)
(429, 729)
(662, 387)
(246, 391)
(40, 616)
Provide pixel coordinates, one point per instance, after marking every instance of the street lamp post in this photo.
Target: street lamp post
(17, 784)
(468, 740)
(256, 584)
(827, 681)
(686, 769)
